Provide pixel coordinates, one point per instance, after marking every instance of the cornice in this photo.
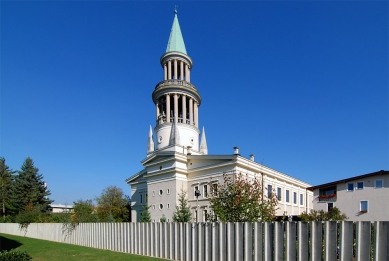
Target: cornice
(176, 55)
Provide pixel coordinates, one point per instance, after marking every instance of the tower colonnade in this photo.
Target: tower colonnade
(178, 108)
(176, 69)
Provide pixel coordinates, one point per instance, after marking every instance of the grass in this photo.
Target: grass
(41, 250)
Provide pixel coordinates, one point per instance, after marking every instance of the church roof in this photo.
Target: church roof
(176, 41)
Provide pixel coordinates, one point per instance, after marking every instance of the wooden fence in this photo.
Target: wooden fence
(289, 241)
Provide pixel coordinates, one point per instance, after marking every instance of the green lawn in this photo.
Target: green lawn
(46, 250)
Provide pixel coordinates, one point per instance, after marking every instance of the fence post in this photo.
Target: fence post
(230, 241)
(291, 241)
(346, 240)
(188, 241)
(330, 241)
(195, 240)
(316, 240)
(278, 241)
(215, 241)
(239, 241)
(223, 240)
(248, 241)
(208, 241)
(381, 240)
(268, 241)
(363, 240)
(258, 239)
(303, 246)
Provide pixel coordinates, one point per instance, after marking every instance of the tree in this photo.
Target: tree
(145, 214)
(30, 190)
(112, 203)
(84, 212)
(163, 218)
(241, 199)
(6, 181)
(320, 215)
(182, 212)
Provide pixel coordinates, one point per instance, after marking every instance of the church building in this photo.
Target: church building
(178, 160)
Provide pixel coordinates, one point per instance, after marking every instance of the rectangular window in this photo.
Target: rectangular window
(269, 191)
(287, 196)
(378, 183)
(301, 199)
(168, 191)
(363, 207)
(350, 187)
(141, 198)
(195, 215)
(330, 206)
(205, 191)
(294, 198)
(360, 185)
(279, 194)
(213, 189)
(205, 217)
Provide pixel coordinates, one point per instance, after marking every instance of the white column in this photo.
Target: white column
(167, 108)
(196, 113)
(191, 111)
(186, 72)
(169, 69)
(181, 70)
(164, 72)
(188, 75)
(175, 107)
(157, 109)
(184, 109)
(175, 69)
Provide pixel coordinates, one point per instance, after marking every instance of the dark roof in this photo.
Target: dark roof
(381, 172)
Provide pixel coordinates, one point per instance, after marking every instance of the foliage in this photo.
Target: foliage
(30, 190)
(112, 203)
(163, 218)
(6, 181)
(14, 256)
(320, 215)
(241, 199)
(84, 212)
(145, 214)
(182, 212)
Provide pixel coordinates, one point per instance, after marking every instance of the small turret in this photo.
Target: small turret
(150, 143)
(203, 143)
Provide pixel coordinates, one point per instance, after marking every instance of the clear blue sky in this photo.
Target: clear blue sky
(303, 85)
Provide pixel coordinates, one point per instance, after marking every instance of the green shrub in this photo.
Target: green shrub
(14, 256)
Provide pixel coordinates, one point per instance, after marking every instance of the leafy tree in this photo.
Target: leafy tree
(30, 190)
(182, 212)
(320, 215)
(241, 199)
(84, 212)
(163, 218)
(145, 214)
(112, 203)
(6, 181)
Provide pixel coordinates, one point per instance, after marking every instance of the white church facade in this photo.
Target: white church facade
(178, 160)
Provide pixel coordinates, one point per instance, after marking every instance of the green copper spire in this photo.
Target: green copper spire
(176, 42)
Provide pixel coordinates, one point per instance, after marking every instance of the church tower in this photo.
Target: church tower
(176, 99)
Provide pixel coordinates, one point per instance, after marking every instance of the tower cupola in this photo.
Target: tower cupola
(176, 99)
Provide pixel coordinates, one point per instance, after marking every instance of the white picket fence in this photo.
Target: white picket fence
(225, 241)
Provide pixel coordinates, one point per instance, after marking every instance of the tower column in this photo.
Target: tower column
(181, 70)
(196, 113)
(191, 111)
(186, 72)
(167, 107)
(169, 69)
(183, 108)
(164, 72)
(175, 108)
(157, 111)
(175, 69)
(188, 75)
